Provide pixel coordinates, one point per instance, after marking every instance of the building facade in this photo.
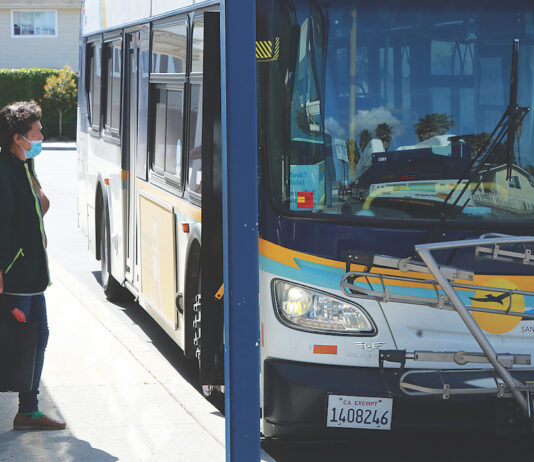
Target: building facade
(39, 34)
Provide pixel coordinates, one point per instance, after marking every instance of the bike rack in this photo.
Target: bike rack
(445, 285)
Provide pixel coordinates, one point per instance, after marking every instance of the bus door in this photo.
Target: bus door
(211, 257)
(130, 144)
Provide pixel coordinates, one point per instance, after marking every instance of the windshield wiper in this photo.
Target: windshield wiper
(507, 126)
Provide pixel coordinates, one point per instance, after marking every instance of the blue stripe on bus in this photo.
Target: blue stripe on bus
(309, 273)
(328, 277)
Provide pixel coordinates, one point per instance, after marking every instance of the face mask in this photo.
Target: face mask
(35, 150)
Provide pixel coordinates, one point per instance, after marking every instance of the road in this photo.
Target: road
(67, 246)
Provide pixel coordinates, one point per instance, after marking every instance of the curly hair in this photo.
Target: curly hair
(17, 118)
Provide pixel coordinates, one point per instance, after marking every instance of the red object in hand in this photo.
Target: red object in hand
(19, 315)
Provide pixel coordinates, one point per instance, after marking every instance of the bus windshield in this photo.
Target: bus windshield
(386, 109)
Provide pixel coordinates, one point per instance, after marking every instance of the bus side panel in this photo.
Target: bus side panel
(158, 255)
(103, 166)
(117, 206)
(93, 173)
(82, 178)
(82, 127)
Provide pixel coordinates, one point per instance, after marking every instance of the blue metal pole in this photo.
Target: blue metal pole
(240, 230)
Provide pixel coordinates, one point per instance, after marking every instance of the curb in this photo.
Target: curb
(182, 391)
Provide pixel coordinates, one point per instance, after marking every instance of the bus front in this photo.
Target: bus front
(383, 125)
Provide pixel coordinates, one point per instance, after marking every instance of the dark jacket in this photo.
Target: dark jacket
(22, 237)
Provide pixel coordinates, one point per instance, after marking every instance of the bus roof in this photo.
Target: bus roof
(102, 15)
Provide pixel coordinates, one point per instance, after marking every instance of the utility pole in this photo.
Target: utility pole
(240, 229)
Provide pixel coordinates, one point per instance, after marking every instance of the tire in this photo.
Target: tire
(112, 289)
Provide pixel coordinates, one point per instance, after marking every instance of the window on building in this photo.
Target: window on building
(113, 59)
(34, 23)
(93, 82)
(514, 182)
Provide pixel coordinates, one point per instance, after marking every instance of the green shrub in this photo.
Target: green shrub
(26, 84)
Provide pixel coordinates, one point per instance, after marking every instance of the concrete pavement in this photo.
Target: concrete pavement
(59, 145)
(120, 396)
(121, 399)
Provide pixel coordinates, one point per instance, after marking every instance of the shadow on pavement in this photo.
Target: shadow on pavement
(157, 336)
(37, 446)
(40, 445)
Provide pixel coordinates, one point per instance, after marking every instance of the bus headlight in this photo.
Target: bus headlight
(308, 309)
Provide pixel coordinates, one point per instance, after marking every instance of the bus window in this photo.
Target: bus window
(93, 84)
(388, 112)
(158, 150)
(174, 132)
(169, 49)
(168, 77)
(197, 55)
(113, 54)
(195, 139)
(168, 133)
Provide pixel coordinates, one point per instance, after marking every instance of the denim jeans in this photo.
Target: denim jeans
(34, 308)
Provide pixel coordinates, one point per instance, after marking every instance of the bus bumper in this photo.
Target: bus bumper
(296, 395)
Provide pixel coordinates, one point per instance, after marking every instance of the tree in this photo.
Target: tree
(365, 139)
(477, 142)
(61, 92)
(353, 154)
(499, 154)
(383, 133)
(433, 125)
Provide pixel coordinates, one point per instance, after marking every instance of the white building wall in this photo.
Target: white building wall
(52, 52)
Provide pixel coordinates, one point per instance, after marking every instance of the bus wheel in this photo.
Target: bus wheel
(112, 289)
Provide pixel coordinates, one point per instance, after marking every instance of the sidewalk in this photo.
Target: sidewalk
(60, 145)
(121, 399)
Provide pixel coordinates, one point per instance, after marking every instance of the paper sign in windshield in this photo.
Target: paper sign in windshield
(307, 186)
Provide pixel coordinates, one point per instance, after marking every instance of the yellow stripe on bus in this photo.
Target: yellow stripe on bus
(264, 50)
(288, 257)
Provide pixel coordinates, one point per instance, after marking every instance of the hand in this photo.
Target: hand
(1, 281)
(45, 202)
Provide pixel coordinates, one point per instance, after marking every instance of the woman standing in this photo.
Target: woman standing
(23, 261)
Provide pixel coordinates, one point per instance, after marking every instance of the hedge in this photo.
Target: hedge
(26, 84)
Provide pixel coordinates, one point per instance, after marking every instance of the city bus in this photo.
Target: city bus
(395, 162)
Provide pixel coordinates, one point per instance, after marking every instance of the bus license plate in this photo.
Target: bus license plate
(359, 412)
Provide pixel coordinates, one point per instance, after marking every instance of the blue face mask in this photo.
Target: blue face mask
(35, 150)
